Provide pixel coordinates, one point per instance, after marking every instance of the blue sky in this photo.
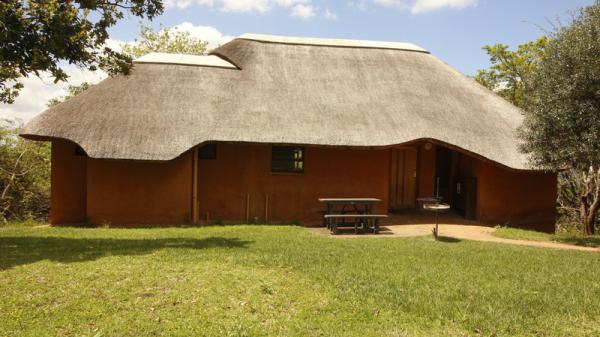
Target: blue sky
(453, 30)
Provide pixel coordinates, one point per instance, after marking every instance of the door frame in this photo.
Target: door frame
(393, 177)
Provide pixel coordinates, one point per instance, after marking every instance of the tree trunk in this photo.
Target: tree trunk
(590, 201)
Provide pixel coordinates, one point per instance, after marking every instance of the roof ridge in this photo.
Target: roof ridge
(186, 59)
(325, 42)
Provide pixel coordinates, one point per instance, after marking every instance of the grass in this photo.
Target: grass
(568, 238)
(286, 281)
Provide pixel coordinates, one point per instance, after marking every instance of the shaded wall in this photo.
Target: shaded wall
(239, 183)
(519, 198)
(426, 170)
(525, 199)
(133, 192)
(68, 184)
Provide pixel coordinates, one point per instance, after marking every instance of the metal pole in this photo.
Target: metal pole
(436, 224)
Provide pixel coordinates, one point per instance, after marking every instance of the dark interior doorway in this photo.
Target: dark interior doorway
(443, 171)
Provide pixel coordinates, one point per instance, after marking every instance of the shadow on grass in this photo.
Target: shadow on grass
(447, 239)
(17, 251)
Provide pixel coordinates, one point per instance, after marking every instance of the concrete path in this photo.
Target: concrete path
(456, 231)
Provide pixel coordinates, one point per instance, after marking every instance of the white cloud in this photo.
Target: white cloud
(289, 3)
(299, 7)
(37, 91)
(181, 4)
(261, 6)
(205, 33)
(359, 5)
(424, 6)
(329, 15)
(304, 12)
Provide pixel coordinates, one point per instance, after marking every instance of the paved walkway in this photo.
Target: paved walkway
(450, 227)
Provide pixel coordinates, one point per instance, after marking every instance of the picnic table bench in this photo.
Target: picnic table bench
(358, 212)
(360, 221)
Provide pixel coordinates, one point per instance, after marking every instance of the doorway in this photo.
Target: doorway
(443, 174)
(403, 178)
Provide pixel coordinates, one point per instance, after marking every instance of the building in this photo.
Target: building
(265, 125)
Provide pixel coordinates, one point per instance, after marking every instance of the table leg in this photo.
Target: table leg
(436, 233)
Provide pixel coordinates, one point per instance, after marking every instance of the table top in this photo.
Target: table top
(436, 207)
(349, 200)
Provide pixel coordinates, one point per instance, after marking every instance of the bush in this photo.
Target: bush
(24, 177)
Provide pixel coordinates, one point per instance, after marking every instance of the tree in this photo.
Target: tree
(510, 69)
(37, 35)
(561, 130)
(24, 177)
(73, 90)
(165, 40)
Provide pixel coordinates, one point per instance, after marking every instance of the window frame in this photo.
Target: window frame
(302, 160)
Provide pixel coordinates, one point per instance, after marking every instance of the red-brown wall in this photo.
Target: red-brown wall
(426, 170)
(518, 198)
(133, 192)
(238, 186)
(244, 170)
(68, 184)
(86, 190)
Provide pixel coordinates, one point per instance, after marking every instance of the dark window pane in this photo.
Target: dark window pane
(287, 159)
(208, 151)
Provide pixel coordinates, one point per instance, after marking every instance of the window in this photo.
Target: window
(208, 151)
(287, 159)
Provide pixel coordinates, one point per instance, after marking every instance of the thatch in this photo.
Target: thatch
(287, 91)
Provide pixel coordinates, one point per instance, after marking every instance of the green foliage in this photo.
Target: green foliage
(39, 34)
(510, 69)
(72, 91)
(562, 126)
(165, 40)
(562, 120)
(286, 281)
(24, 177)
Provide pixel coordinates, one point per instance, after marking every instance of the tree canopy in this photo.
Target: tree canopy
(562, 125)
(511, 69)
(165, 40)
(37, 35)
(561, 129)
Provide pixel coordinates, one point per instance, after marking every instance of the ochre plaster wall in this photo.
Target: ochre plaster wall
(239, 185)
(68, 184)
(519, 198)
(240, 180)
(132, 192)
(426, 170)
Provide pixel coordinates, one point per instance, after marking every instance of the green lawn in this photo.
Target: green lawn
(286, 281)
(572, 239)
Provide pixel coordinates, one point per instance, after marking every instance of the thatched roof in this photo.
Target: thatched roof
(285, 90)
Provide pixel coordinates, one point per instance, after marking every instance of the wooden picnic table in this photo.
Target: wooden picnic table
(359, 209)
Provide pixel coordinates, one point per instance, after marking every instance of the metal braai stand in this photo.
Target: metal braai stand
(436, 208)
(435, 204)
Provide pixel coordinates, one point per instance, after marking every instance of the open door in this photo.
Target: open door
(403, 178)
